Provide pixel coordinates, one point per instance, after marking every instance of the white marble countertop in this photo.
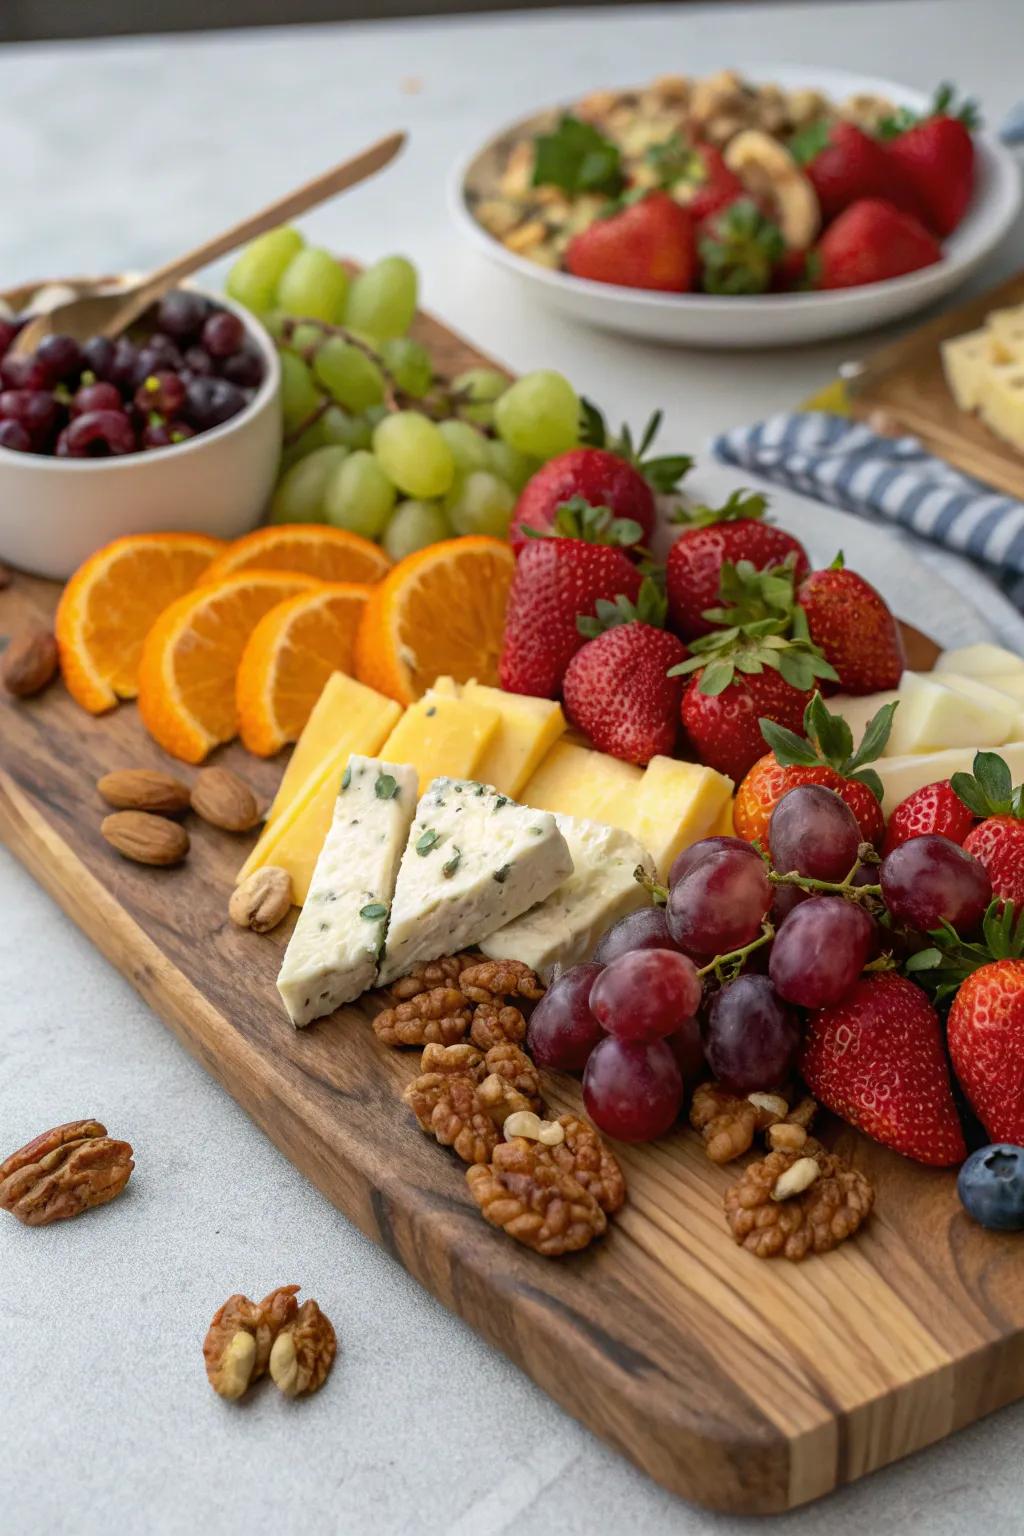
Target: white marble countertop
(115, 155)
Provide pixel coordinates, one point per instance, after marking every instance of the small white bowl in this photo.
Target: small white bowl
(54, 513)
(762, 320)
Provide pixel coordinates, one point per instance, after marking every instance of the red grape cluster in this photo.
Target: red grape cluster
(191, 369)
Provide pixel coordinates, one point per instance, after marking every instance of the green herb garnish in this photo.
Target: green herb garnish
(386, 787)
(426, 841)
(373, 911)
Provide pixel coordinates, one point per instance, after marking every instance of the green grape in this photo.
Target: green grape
(483, 386)
(300, 493)
(352, 378)
(469, 449)
(414, 455)
(313, 286)
(257, 271)
(409, 364)
(539, 414)
(382, 300)
(305, 338)
(374, 414)
(338, 426)
(414, 525)
(510, 465)
(299, 394)
(360, 496)
(481, 503)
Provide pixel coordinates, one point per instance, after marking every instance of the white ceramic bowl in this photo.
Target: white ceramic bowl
(763, 320)
(56, 512)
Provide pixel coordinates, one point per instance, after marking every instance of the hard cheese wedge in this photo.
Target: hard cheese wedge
(346, 717)
(964, 361)
(442, 736)
(564, 928)
(474, 861)
(1001, 403)
(527, 729)
(332, 955)
(579, 782)
(984, 661)
(675, 805)
(901, 776)
(940, 710)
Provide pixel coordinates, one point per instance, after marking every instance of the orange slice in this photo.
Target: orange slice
(190, 659)
(332, 554)
(439, 612)
(288, 658)
(112, 600)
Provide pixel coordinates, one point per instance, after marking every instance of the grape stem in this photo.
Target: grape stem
(658, 892)
(734, 960)
(865, 895)
(292, 437)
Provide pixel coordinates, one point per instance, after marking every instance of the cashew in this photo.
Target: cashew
(767, 169)
(236, 1365)
(800, 1176)
(771, 1103)
(550, 1133)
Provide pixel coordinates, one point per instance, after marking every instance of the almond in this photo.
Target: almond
(145, 839)
(29, 662)
(223, 799)
(143, 789)
(263, 900)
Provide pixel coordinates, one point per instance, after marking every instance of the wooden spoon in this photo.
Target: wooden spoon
(107, 311)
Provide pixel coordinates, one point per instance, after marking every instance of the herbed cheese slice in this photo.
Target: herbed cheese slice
(565, 928)
(332, 955)
(475, 860)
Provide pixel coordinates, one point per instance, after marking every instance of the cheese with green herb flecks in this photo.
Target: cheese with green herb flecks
(475, 859)
(332, 955)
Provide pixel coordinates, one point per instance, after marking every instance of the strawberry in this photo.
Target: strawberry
(695, 174)
(725, 727)
(932, 808)
(852, 624)
(740, 248)
(713, 536)
(845, 164)
(822, 755)
(598, 477)
(986, 1042)
(647, 244)
(870, 242)
(997, 841)
(935, 157)
(877, 1060)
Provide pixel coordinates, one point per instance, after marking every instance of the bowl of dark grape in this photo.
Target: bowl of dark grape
(175, 426)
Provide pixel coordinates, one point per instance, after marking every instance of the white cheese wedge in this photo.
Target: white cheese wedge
(565, 928)
(998, 705)
(1005, 331)
(985, 661)
(332, 954)
(901, 776)
(1001, 401)
(474, 860)
(938, 710)
(964, 359)
(858, 709)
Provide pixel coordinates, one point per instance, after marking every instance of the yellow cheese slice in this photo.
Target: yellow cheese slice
(1001, 402)
(347, 715)
(300, 836)
(527, 729)
(724, 827)
(577, 781)
(1006, 333)
(964, 360)
(442, 736)
(677, 804)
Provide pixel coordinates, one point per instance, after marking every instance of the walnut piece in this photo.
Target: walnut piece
(240, 1339)
(499, 1099)
(523, 1192)
(463, 1060)
(440, 1016)
(303, 1352)
(584, 1155)
(727, 1123)
(816, 1220)
(513, 1064)
(490, 979)
(64, 1172)
(436, 973)
(450, 1108)
(494, 1023)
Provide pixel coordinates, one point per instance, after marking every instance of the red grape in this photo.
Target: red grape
(199, 363)
(98, 355)
(690, 856)
(820, 951)
(646, 994)
(751, 1037)
(164, 434)
(646, 928)
(720, 903)
(562, 1030)
(36, 409)
(786, 897)
(244, 368)
(208, 402)
(813, 831)
(162, 391)
(929, 880)
(60, 357)
(632, 1090)
(97, 434)
(182, 314)
(96, 397)
(8, 330)
(14, 436)
(687, 1047)
(223, 334)
(22, 373)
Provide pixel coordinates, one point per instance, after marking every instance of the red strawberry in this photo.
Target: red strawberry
(877, 1060)
(717, 536)
(933, 808)
(725, 727)
(870, 242)
(740, 248)
(845, 164)
(617, 690)
(556, 580)
(852, 624)
(706, 183)
(986, 1042)
(935, 157)
(649, 244)
(598, 476)
(997, 841)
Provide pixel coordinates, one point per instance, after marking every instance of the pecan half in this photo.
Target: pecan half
(435, 973)
(522, 1191)
(440, 1016)
(63, 1172)
(490, 979)
(494, 1023)
(772, 1218)
(303, 1352)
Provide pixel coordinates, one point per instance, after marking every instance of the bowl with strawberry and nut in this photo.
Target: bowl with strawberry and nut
(742, 209)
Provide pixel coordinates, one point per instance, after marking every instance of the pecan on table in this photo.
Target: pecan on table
(63, 1172)
(490, 979)
(493, 1023)
(449, 1107)
(781, 1207)
(440, 1016)
(513, 1064)
(523, 1192)
(303, 1352)
(585, 1157)
(436, 973)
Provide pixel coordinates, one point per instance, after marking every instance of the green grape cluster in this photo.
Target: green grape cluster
(374, 441)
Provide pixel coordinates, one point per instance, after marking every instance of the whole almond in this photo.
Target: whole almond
(223, 799)
(29, 662)
(262, 900)
(145, 839)
(143, 789)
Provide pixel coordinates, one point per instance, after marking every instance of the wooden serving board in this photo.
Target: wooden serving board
(747, 1386)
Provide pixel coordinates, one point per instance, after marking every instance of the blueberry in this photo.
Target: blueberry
(991, 1187)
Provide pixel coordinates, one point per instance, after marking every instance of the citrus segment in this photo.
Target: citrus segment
(111, 602)
(332, 554)
(440, 611)
(190, 659)
(288, 658)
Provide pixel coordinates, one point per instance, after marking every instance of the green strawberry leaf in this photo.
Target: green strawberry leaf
(831, 732)
(662, 473)
(871, 780)
(578, 518)
(829, 740)
(674, 161)
(950, 959)
(742, 505)
(808, 144)
(791, 750)
(988, 791)
(577, 158)
(716, 677)
(740, 250)
(875, 738)
(651, 607)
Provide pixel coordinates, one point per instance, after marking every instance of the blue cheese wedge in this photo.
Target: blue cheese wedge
(475, 860)
(565, 928)
(333, 952)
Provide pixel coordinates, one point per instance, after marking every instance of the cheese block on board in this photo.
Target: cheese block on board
(442, 736)
(332, 954)
(858, 709)
(901, 776)
(565, 928)
(1005, 330)
(676, 804)
(939, 710)
(474, 861)
(527, 730)
(578, 781)
(1001, 405)
(984, 661)
(964, 360)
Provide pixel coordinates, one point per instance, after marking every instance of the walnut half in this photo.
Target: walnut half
(522, 1191)
(440, 1017)
(815, 1218)
(303, 1352)
(240, 1340)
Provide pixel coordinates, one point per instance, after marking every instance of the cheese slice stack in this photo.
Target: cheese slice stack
(985, 373)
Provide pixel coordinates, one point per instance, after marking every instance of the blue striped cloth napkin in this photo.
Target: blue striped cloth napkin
(895, 480)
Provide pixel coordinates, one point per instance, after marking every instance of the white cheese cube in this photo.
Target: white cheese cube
(332, 954)
(964, 359)
(940, 710)
(981, 660)
(1001, 401)
(901, 776)
(474, 860)
(565, 928)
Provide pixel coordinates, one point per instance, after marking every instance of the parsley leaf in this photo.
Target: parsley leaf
(578, 159)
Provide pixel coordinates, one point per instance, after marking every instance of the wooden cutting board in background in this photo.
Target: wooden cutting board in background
(747, 1386)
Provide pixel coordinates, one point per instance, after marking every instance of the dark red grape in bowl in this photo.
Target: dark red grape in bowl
(750, 1038)
(646, 928)
(632, 1090)
(182, 314)
(646, 994)
(14, 436)
(720, 903)
(223, 334)
(60, 357)
(100, 396)
(690, 856)
(209, 402)
(97, 435)
(820, 950)
(930, 880)
(562, 1031)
